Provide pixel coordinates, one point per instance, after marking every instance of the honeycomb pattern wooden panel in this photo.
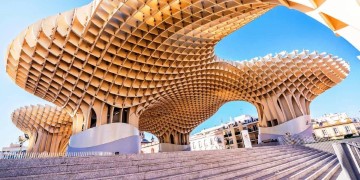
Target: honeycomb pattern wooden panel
(49, 127)
(280, 86)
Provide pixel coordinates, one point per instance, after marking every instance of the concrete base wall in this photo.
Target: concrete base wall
(115, 137)
(166, 147)
(300, 125)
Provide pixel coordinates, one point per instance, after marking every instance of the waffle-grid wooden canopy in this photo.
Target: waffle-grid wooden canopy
(49, 127)
(158, 57)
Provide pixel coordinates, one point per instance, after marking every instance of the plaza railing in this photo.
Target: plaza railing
(348, 154)
(323, 143)
(347, 150)
(30, 155)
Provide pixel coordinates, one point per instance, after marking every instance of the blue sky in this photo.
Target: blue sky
(278, 30)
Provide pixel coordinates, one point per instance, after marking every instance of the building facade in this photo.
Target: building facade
(152, 147)
(335, 126)
(356, 122)
(117, 67)
(208, 139)
(14, 148)
(226, 136)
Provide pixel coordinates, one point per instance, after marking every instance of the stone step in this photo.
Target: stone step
(282, 162)
(18, 163)
(143, 164)
(157, 173)
(109, 172)
(332, 172)
(204, 173)
(304, 172)
(260, 170)
(320, 170)
(283, 167)
(337, 175)
(290, 169)
(137, 168)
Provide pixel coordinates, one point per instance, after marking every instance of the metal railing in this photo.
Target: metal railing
(322, 144)
(346, 150)
(30, 155)
(348, 154)
(355, 149)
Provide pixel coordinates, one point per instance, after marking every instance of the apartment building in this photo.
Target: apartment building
(335, 126)
(240, 132)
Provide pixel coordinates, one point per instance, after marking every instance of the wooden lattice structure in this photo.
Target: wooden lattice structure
(48, 127)
(157, 58)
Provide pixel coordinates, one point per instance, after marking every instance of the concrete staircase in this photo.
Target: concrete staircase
(272, 162)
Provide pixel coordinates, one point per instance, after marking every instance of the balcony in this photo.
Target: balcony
(229, 142)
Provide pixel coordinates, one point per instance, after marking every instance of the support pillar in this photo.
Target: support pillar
(180, 142)
(78, 122)
(283, 113)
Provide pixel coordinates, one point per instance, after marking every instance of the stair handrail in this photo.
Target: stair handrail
(354, 144)
(348, 159)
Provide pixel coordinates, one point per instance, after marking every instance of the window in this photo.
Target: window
(255, 128)
(217, 139)
(211, 142)
(347, 129)
(325, 132)
(336, 130)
